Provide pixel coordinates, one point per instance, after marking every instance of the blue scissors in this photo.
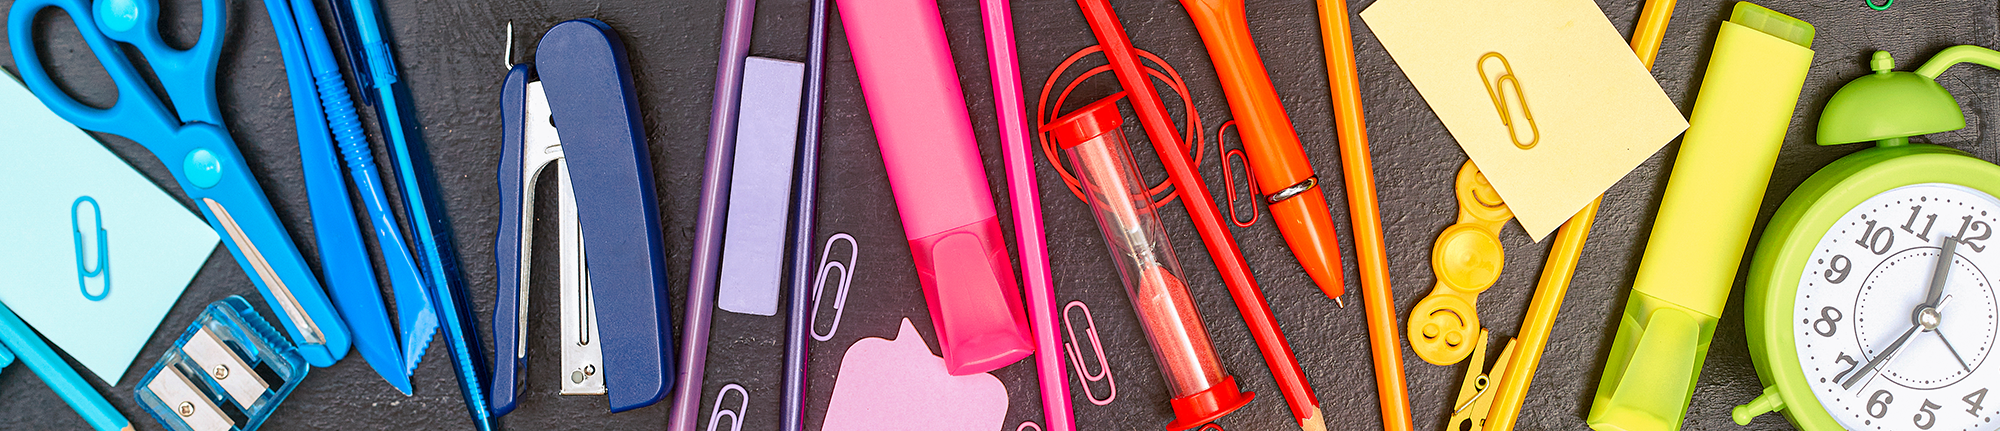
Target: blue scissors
(195, 146)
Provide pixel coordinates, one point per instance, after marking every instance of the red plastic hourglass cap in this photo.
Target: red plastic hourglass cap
(1206, 406)
(1088, 122)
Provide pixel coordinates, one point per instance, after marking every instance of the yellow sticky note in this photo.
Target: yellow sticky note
(1545, 96)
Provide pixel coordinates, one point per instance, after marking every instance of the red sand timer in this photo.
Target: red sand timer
(1110, 181)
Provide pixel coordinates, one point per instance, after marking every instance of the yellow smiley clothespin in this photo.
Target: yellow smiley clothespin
(1474, 396)
(1467, 259)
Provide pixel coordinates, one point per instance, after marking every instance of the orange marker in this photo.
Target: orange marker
(1276, 160)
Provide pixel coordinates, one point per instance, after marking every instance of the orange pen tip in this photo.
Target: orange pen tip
(1308, 230)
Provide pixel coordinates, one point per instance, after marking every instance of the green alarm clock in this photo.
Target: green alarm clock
(1871, 302)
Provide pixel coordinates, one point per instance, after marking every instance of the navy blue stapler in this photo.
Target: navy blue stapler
(608, 222)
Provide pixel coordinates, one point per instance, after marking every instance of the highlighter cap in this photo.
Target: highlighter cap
(1088, 122)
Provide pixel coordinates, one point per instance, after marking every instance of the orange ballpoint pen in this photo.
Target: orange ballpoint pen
(1277, 161)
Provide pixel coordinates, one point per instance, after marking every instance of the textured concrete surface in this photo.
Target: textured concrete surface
(451, 55)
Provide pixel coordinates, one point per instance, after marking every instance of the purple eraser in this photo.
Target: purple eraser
(760, 188)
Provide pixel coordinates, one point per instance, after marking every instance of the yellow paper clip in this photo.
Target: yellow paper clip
(1475, 396)
(1467, 259)
(1499, 95)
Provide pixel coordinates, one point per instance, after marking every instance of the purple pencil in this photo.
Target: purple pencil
(738, 15)
(799, 318)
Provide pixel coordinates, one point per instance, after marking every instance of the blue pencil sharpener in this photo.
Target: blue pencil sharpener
(228, 372)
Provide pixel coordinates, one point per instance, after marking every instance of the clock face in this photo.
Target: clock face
(1875, 351)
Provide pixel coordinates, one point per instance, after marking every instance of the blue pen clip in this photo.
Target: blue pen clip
(101, 253)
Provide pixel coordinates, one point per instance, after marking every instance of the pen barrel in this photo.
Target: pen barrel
(1276, 159)
(1278, 162)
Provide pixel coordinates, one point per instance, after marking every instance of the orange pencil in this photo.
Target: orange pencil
(1277, 161)
(1376, 298)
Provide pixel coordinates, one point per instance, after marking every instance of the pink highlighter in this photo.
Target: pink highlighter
(920, 119)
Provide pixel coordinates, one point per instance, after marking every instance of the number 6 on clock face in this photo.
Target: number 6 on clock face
(1866, 286)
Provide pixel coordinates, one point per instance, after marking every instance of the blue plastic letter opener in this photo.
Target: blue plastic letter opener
(595, 110)
(324, 111)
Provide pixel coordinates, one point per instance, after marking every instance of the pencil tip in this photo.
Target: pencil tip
(1314, 422)
(1341, 302)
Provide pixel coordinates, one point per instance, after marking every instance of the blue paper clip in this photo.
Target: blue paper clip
(827, 264)
(735, 416)
(103, 250)
(1076, 356)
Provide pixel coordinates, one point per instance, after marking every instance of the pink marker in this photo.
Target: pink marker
(911, 86)
(1017, 155)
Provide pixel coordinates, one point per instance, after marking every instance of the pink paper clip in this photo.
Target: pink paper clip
(735, 416)
(827, 264)
(1076, 356)
(1028, 424)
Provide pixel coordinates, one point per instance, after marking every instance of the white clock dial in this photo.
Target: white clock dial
(1866, 287)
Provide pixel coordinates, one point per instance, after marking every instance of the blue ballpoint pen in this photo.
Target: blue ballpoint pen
(422, 207)
(15, 335)
(349, 277)
(799, 318)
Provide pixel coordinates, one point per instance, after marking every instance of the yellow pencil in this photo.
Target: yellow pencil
(1561, 266)
(1377, 302)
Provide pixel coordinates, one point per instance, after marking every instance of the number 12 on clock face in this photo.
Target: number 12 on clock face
(1893, 322)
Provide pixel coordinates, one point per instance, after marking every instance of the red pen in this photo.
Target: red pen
(1208, 221)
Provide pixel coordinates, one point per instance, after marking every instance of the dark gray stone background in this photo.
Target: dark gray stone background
(451, 55)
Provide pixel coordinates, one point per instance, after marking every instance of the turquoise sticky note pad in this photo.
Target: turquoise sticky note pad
(95, 253)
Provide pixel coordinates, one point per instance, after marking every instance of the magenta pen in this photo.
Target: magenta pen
(921, 123)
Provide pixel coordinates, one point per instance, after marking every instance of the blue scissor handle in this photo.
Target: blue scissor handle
(187, 75)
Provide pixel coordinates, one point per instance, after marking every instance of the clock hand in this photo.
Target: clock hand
(1926, 318)
(1869, 368)
(1948, 348)
(1941, 272)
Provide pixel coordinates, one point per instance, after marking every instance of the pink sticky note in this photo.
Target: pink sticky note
(899, 385)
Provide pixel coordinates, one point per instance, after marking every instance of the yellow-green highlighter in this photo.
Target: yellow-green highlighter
(1740, 115)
